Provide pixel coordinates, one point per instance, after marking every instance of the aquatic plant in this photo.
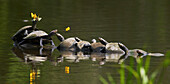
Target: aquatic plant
(141, 73)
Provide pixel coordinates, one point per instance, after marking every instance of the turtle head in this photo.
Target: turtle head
(60, 37)
(123, 47)
(93, 40)
(102, 41)
(54, 31)
(77, 39)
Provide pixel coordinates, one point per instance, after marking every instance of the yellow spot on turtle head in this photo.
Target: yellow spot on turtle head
(68, 28)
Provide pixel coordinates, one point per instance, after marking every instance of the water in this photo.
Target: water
(138, 24)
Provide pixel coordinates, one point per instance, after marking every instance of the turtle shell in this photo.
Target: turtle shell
(97, 46)
(18, 36)
(113, 47)
(22, 30)
(68, 43)
(35, 34)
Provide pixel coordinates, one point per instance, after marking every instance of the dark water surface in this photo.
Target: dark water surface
(140, 24)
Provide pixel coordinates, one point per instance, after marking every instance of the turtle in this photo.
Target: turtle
(24, 31)
(114, 47)
(39, 37)
(141, 53)
(97, 46)
(82, 45)
(66, 44)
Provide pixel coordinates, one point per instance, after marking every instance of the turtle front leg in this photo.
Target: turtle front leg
(52, 43)
(41, 51)
(41, 42)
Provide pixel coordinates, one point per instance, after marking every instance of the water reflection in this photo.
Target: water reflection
(34, 57)
(72, 56)
(100, 57)
(34, 74)
(67, 69)
(41, 54)
(36, 54)
(113, 20)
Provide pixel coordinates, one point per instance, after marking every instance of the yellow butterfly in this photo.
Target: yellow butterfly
(34, 16)
(68, 28)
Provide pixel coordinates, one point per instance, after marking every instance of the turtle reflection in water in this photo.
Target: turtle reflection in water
(33, 54)
(72, 56)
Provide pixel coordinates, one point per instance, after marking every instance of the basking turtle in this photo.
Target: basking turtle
(39, 37)
(119, 47)
(97, 46)
(115, 47)
(141, 53)
(66, 44)
(24, 31)
(83, 45)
